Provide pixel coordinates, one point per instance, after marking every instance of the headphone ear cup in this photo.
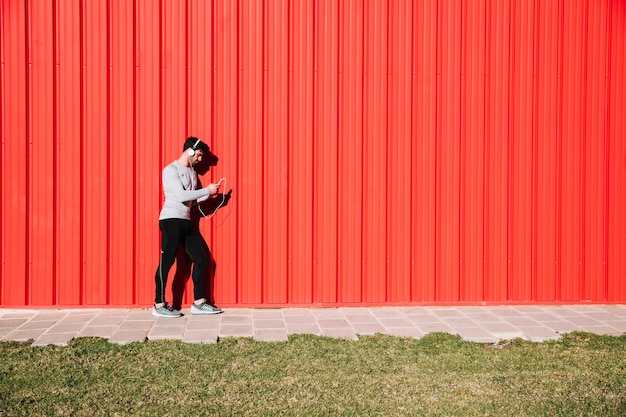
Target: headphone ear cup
(191, 152)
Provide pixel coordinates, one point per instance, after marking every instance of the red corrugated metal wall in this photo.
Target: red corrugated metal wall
(380, 151)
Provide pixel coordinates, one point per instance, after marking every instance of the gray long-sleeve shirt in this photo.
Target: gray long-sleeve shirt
(179, 187)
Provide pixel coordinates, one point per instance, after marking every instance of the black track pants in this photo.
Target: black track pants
(174, 233)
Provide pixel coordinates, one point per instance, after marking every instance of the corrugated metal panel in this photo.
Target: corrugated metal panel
(616, 261)
(379, 151)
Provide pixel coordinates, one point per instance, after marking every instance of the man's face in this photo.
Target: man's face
(197, 157)
(208, 160)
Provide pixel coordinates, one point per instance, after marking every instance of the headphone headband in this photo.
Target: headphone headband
(192, 151)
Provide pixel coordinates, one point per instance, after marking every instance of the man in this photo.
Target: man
(179, 185)
(205, 209)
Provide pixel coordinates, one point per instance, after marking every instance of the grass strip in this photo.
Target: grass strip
(438, 375)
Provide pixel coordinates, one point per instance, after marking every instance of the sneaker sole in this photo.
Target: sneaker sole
(201, 312)
(155, 314)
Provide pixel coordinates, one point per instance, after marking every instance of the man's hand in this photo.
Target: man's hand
(213, 188)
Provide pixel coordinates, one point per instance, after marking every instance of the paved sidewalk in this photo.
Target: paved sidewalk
(487, 324)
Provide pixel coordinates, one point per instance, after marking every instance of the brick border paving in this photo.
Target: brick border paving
(486, 324)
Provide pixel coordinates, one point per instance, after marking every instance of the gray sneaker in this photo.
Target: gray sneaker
(204, 308)
(165, 311)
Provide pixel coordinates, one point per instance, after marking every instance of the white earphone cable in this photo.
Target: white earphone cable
(223, 179)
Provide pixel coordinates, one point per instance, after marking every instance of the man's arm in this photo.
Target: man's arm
(173, 186)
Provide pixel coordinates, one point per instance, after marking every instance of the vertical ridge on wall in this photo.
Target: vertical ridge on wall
(447, 157)
(15, 121)
(571, 241)
(546, 153)
(147, 159)
(325, 152)
(251, 151)
(521, 185)
(122, 153)
(200, 97)
(472, 164)
(225, 140)
(40, 167)
(379, 152)
(276, 140)
(350, 139)
(94, 158)
(424, 150)
(300, 117)
(67, 133)
(375, 152)
(399, 157)
(616, 262)
(497, 150)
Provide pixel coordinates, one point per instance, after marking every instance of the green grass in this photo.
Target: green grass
(437, 375)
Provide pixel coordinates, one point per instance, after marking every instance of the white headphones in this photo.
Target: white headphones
(192, 151)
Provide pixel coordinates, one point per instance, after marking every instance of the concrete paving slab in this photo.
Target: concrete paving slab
(128, 336)
(539, 334)
(12, 323)
(271, 335)
(619, 325)
(420, 318)
(143, 325)
(339, 333)
(603, 330)
(58, 339)
(246, 312)
(4, 332)
(361, 318)
(300, 319)
(604, 316)
(165, 332)
(477, 334)
(500, 326)
(484, 317)
(561, 326)
(460, 322)
(304, 328)
(446, 312)
(236, 320)
(104, 332)
(47, 315)
(118, 312)
(333, 323)
(23, 335)
(106, 321)
(508, 335)
(235, 330)
(369, 328)
(296, 311)
(204, 323)
(441, 327)
(389, 313)
(497, 311)
(200, 336)
(10, 313)
(583, 321)
(399, 322)
(139, 315)
(326, 313)
(413, 332)
(80, 317)
(268, 324)
(272, 314)
(65, 327)
(37, 324)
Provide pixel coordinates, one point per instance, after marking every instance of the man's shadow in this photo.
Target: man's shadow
(183, 261)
